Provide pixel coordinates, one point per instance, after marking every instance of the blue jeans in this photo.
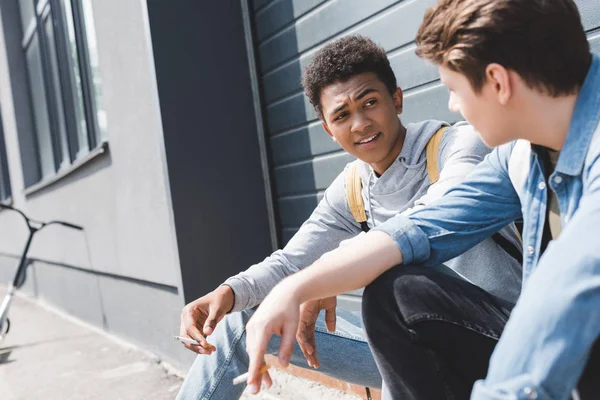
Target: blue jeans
(343, 354)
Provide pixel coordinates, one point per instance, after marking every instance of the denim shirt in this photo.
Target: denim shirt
(547, 340)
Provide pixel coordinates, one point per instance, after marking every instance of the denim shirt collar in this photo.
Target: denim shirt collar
(583, 123)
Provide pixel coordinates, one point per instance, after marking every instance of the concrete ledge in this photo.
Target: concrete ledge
(325, 380)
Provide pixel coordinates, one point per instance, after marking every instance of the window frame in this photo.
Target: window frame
(62, 91)
(5, 186)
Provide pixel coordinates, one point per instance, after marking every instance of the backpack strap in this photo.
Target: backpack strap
(354, 196)
(357, 205)
(433, 149)
(432, 152)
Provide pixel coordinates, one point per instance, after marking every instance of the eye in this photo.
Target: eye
(340, 116)
(370, 103)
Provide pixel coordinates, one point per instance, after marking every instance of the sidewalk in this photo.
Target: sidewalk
(47, 356)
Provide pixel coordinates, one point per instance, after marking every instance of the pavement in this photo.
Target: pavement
(50, 356)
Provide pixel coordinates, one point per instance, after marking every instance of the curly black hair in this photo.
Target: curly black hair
(342, 59)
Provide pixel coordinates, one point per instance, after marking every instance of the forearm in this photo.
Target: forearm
(323, 232)
(346, 268)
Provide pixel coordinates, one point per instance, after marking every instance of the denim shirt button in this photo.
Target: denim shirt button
(530, 250)
(531, 393)
(558, 179)
(542, 185)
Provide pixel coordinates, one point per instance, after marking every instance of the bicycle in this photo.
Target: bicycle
(20, 274)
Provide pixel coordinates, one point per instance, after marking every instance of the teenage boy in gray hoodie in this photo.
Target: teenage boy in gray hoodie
(354, 91)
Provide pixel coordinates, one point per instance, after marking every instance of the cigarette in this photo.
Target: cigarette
(186, 340)
(242, 378)
(189, 341)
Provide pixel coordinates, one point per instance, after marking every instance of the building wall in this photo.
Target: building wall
(122, 273)
(212, 139)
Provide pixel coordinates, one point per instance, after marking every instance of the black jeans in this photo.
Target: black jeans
(432, 335)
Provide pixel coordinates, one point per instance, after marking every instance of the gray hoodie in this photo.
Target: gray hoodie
(402, 187)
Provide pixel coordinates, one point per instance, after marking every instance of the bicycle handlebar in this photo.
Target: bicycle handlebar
(42, 224)
(67, 224)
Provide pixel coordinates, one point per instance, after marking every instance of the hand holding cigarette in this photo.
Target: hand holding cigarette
(200, 318)
(242, 378)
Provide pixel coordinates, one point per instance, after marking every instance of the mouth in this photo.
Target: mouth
(369, 139)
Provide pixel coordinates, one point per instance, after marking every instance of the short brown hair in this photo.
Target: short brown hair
(541, 40)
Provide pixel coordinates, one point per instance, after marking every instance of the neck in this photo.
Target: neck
(548, 120)
(381, 166)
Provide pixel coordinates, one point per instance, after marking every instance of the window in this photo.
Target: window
(5, 192)
(59, 44)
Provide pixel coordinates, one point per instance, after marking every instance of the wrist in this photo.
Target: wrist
(293, 289)
(228, 296)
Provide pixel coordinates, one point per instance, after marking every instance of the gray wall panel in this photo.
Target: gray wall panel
(299, 144)
(590, 13)
(83, 294)
(258, 5)
(392, 29)
(281, 13)
(309, 176)
(411, 71)
(289, 113)
(429, 102)
(293, 209)
(332, 18)
(7, 268)
(77, 292)
(595, 42)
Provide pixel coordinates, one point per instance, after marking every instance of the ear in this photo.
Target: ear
(398, 100)
(328, 131)
(500, 82)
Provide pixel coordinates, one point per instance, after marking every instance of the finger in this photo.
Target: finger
(305, 345)
(313, 360)
(266, 380)
(287, 343)
(182, 329)
(302, 337)
(199, 349)
(330, 319)
(307, 350)
(193, 347)
(311, 346)
(211, 321)
(256, 346)
(195, 334)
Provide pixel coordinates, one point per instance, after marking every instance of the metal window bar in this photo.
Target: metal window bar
(28, 36)
(86, 73)
(48, 86)
(5, 187)
(64, 70)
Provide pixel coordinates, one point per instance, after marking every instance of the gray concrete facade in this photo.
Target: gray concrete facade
(122, 273)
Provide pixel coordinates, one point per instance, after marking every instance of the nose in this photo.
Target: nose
(453, 104)
(360, 122)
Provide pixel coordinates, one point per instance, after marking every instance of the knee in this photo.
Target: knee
(237, 320)
(396, 291)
